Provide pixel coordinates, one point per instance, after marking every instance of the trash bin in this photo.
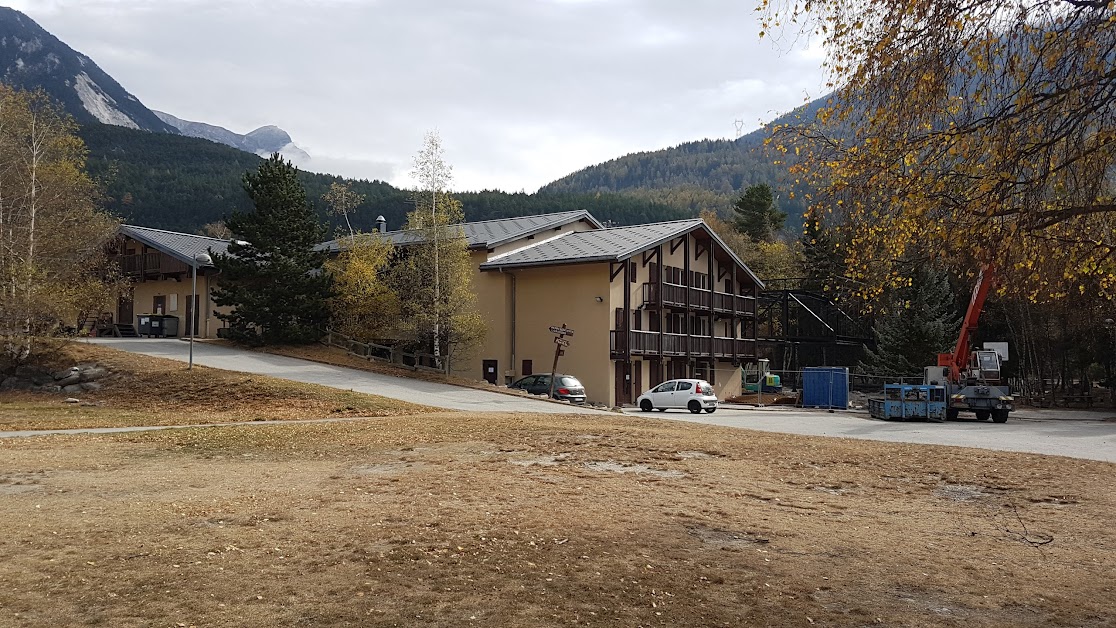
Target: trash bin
(170, 326)
(156, 326)
(143, 324)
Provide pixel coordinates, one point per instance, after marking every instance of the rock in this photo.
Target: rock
(64, 374)
(16, 383)
(91, 386)
(93, 373)
(27, 371)
(48, 389)
(72, 378)
(72, 388)
(72, 400)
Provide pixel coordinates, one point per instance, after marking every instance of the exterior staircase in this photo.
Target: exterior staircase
(124, 330)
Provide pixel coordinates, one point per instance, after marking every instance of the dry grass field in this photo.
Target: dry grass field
(455, 520)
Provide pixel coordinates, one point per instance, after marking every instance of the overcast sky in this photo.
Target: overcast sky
(522, 91)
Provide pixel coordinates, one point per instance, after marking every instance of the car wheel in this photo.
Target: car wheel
(694, 407)
(710, 410)
(645, 405)
(983, 415)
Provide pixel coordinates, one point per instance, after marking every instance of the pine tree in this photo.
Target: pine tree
(922, 323)
(757, 213)
(272, 275)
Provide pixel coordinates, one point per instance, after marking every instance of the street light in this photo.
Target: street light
(200, 258)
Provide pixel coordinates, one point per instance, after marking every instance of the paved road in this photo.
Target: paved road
(1077, 434)
(413, 390)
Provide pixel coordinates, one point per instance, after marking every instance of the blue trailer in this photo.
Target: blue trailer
(909, 401)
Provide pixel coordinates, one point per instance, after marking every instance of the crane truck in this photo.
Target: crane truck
(972, 377)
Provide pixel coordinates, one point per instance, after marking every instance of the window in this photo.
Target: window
(685, 385)
(632, 271)
(527, 367)
(667, 387)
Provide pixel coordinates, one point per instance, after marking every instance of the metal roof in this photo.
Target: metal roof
(181, 246)
(487, 234)
(605, 245)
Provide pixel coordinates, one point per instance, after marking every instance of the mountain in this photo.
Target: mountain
(30, 58)
(706, 174)
(181, 183)
(263, 141)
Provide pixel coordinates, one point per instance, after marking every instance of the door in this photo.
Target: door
(681, 395)
(637, 379)
(541, 385)
(528, 368)
(660, 397)
(124, 310)
(159, 305)
(489, 368)
(623, 384)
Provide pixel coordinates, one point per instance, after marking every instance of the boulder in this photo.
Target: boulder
(48, 389)
(72, 400)
(93, 373)
(64, 374)
(16, 383)
(72, 389)
(91, 386)
(72, 378)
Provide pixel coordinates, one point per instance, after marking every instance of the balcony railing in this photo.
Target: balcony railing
(646, 343)
(674, 295)
(151, 263)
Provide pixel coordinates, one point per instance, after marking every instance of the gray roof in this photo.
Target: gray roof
(604, 245)
(181, 246)
(487, 234)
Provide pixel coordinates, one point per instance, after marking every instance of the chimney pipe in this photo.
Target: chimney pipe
(381, 224)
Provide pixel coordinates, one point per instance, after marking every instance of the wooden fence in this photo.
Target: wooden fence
(386, 353)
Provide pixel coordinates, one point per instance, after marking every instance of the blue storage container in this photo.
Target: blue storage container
(825, 387)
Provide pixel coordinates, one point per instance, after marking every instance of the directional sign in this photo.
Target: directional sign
(562, 341)
(563, 331)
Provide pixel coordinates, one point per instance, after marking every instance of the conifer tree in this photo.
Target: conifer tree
(757, 213)
(921, 323)
(272, 275)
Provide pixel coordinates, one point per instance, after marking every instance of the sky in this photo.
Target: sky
(522, 92)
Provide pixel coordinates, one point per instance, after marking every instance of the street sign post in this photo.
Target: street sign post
(559, 342)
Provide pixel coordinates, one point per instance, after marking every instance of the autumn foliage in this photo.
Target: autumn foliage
(968, 132)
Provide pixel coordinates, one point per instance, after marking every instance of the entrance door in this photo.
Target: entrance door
(489, 368)
(623, 383)
(124, 310)
(637, 380)
(159, 305)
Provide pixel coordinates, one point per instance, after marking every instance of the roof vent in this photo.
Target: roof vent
(381, 224)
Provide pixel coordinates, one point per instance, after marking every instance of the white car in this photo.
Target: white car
(694, 395)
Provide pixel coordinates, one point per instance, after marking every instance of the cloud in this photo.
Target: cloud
(522, 92)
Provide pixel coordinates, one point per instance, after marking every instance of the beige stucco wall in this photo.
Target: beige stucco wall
(144, 293)
(566, 295)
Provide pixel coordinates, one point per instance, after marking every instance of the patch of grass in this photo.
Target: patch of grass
(144, 390)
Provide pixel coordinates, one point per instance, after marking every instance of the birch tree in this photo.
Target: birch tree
(969, 132)
(343, 201)
(434, 275)
(53, 236)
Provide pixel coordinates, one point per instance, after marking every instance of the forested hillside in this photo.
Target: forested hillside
(707, 174)
(181, 183)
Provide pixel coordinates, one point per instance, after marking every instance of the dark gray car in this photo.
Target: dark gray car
(566, 387)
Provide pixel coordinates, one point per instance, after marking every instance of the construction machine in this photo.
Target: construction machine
(972, 377)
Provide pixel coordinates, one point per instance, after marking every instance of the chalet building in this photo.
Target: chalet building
(160, 265)
(647, 303)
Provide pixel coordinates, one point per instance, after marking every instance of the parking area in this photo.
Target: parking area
(1089, 434)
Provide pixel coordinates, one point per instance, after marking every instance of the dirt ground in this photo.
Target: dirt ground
(143, 390)
(456, 519)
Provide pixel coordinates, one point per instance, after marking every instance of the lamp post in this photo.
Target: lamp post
(200, 258)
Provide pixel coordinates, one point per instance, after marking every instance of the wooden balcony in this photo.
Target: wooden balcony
(647, 343)
(674, 296)
(151, 264)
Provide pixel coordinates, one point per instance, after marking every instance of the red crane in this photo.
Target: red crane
(961, 358)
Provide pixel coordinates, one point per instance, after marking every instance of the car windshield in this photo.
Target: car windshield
(568, 381)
